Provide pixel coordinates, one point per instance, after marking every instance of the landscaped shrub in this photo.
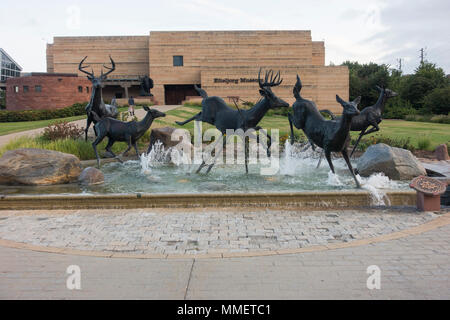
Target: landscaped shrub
(62, 130)
(278, 112)
(76, 109)
(78, 147)
(429, 118)
(125, 116)
(398, 111)
(424, 143)
(404, 143)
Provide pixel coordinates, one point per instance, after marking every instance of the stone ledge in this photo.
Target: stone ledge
(299, 200)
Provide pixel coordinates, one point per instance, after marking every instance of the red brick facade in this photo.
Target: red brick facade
(57, 91)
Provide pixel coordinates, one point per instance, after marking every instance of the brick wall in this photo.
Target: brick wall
(129, 53)
(320, 84)
(209, 54)
(57, 92)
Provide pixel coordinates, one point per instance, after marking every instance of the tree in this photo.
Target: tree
(435, 74)
(415, 89)
(438, 101)
(363, 81)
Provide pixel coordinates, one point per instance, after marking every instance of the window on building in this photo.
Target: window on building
(87, 89)
(26, 88)
(16, 89)
(177, 61)
(38, 88)
(80, 89)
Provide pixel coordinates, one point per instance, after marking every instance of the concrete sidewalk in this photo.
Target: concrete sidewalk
(415, 267)
(140, 113)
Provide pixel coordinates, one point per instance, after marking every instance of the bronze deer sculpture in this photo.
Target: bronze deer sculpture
(216, 112)
(96, 104)
(370, 116)
(129, 132)
(330, 135)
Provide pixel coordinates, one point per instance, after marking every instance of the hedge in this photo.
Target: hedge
(77, 109)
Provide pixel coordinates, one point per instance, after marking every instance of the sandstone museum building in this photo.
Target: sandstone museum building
(224, 63)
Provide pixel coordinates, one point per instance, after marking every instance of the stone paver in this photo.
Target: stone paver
(415, 267)
(208, 231)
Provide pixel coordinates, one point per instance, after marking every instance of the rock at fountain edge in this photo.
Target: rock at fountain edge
(395, 163)
(38, 167)
(91, 176)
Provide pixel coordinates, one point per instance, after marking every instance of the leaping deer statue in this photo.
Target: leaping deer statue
(330, 135)
(96, 103)
(216, 112)
(370, 116)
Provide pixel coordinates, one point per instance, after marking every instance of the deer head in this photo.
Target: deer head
(266, 91)
(388, 92)
(97, 81)
(350, 108)
(154, 113)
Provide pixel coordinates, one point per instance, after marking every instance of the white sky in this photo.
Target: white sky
(365, 30)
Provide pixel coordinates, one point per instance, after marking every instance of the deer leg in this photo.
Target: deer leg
(94, 145)
(216, 155)
(374, 129)
(201, 167)
(320, 160)
(88, 124)
(345, 155)
(129, 146)
(292, 128)
(197, 117)
(108, 147)
(269, 141)
(357, 141)
(246, 142)
(328, 156)
(136, 149)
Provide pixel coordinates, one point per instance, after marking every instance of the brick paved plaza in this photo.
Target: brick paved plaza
(411, 249)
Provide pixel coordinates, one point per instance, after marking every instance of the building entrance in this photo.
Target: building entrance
(176, 94)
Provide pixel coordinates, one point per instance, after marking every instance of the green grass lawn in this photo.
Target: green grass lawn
(437, 133)
(395, 129)
(13, 127)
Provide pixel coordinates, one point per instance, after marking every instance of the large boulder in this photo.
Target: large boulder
(396, 163)
(91, 176)
(38, 167)
(164, 135)
(441, 152)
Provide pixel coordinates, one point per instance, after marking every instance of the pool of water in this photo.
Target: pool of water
(159, 172)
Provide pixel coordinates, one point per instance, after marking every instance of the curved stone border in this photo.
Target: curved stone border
(299, 200)
(436, 223)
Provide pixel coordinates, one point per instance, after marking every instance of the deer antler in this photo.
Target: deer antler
(81, 68)
(113, 67)
(270, 80)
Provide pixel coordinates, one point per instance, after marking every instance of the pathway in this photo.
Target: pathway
(413, 267)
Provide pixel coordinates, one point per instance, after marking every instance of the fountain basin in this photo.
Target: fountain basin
(321, 200)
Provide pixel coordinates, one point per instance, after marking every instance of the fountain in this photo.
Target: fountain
(169, 177)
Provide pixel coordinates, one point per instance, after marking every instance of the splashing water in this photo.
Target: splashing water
(375, 184)
(298, 159)
(333, 180)
(159, 156)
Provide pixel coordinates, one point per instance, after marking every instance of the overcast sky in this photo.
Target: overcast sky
(362, 30)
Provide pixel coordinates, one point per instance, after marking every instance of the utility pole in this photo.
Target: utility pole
(422, 55)
(399, 64)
